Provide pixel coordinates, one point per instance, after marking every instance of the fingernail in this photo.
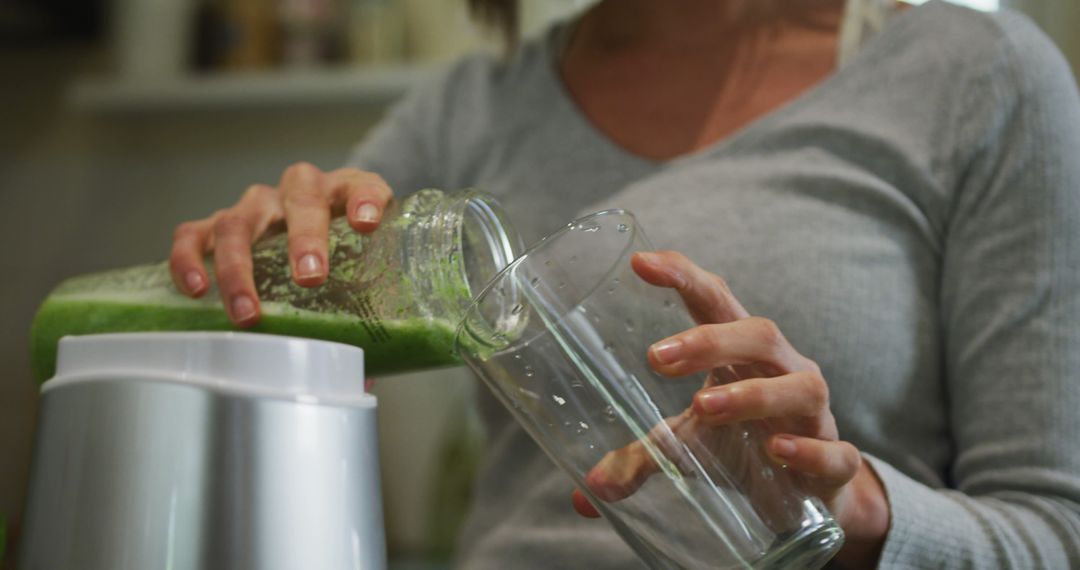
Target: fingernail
(667, 351)
(783, 447)
(678, 281)
(309, 266)
(242, 308)
(714, 401)
(367, 212)
(194, 282)
(649, 256)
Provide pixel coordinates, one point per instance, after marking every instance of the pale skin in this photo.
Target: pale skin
(645, 73)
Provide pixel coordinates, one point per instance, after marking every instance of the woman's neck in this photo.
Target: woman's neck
(696, 24)
(661, 78)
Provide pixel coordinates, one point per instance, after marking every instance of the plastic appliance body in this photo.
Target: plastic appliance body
(204, 450)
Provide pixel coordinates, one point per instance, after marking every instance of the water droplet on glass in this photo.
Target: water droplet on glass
(517, 309)
(592, 446)
(517, 357)
(528, 393)
(534, 281)
(562, 285)
(745, 435)
(668, 304)
(591, 229)
(610, 290)
(583, 425)
(547, 263)
(629, 325)
(609, 414)
(558, 399)
(622, 228)
(767, 473)
(528, 371)
(609, 347)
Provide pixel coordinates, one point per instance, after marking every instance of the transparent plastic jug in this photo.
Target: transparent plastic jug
(398, 292)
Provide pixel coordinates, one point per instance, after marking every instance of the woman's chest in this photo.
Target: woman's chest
(660, 107)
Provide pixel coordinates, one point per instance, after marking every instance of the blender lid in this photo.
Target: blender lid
(246, 364)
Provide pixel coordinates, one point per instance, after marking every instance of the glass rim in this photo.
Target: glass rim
(489, 213)
(631, 235)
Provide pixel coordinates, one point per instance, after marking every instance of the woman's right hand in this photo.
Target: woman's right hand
(304, 201)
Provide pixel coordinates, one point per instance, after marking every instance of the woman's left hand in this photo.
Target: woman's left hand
(772, 382)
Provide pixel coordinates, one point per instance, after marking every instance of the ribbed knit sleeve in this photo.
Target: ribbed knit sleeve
(1010, 302)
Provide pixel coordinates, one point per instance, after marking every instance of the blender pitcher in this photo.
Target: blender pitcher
(397, 292)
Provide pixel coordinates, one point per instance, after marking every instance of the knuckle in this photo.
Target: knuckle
(768, 333)
(817, 390)
(753, 396)
(229, 223)
(721, 283)
(258, 192)
(373, 179)
(304, 198)
(185, 230)
(302, 169)
(851, 459)
(233, 270)
(711, 336)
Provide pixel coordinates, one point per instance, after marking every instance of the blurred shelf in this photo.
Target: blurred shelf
(417, 564)
(248, 90)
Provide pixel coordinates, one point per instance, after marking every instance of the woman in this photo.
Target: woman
(904, 229)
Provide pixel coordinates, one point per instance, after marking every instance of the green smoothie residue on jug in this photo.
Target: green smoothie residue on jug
(394, 346)
(396, 293)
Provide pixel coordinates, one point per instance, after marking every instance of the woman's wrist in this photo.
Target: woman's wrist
(866, 521)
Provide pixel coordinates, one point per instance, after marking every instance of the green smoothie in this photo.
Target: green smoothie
(390, 346)
(397, 293)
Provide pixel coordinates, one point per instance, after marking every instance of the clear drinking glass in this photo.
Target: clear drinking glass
(560, 336)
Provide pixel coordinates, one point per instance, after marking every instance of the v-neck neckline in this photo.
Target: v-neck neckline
(738, 138)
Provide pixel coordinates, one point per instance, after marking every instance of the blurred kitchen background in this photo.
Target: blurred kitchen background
(121, 118)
